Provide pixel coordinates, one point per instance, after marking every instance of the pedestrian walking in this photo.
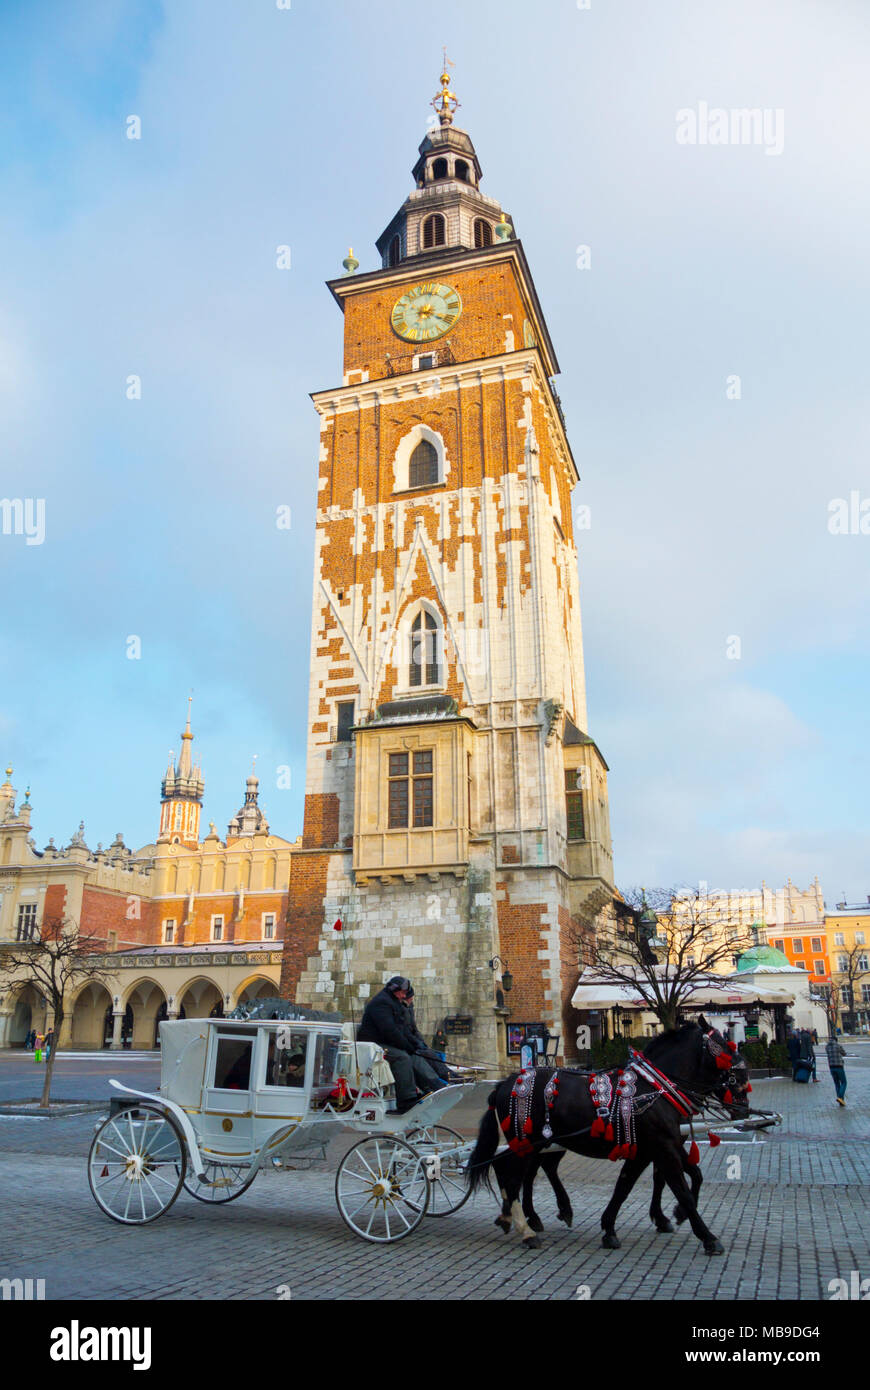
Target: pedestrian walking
(836, 1057)
(793, 1046)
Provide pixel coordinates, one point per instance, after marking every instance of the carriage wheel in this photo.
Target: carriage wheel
(137, 1164)
(449, 1191)
(381, 1188)
(223, 1182)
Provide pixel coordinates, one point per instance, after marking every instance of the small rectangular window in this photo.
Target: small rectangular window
(819, 967)
(419, 795)
(26, 922)
(839, 939)
(426, 362)
(285, 1061)
(859, 938)
(217, 928)
(345, 711)
(797, 945)
(169, 931)
(574, 803)
(269, 926)
(815, 944)
(232, 1070)
(112, 941)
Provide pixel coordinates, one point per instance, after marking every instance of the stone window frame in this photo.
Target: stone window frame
(169, 925)
(404, 637)
(402, 459)
(217, 924)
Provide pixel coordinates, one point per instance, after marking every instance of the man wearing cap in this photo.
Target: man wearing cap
(386, 1022)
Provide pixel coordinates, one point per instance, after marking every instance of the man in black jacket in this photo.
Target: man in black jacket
(386, 1021)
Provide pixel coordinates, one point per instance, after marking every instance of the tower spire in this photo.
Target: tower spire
(445, 102)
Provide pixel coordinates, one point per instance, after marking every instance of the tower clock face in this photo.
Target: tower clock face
(427, 311)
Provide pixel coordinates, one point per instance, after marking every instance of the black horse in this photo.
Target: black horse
(632, 1113)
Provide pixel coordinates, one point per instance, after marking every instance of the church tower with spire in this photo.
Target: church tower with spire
(456, 813)
(181, 795)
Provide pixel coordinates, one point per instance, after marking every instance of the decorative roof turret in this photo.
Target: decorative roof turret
(249, 819)
(446, 209)
(184, 781)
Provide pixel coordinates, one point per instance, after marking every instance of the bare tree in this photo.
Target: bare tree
(55, 963)
(857, 966)
(664, 945)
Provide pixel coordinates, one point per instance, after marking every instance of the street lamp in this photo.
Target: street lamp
(507, 979)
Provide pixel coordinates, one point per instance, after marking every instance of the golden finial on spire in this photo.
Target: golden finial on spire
(445, 102)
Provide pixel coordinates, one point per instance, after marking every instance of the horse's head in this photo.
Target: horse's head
(727, 1069)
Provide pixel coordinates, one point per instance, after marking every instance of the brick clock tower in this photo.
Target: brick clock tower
(456, 813)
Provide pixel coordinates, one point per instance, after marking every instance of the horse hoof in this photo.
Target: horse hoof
(535, 1223)
(504, 1224)
(567, 1217)
(714, 1247)
(679, 1215)
(531, 1243)
(664, 1228)
(611, 1242)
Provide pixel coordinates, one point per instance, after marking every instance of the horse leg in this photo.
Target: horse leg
(532, 1217)
(550, 1164)
(671, 1161)
(631, 1171)
(503, 1220)
(662, 1224)
(693, 1172)
(514, 1172)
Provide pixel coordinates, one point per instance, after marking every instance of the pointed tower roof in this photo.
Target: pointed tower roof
(183, 782)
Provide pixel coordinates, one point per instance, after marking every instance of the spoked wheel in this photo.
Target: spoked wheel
(381, 1188)
(448, 1192)
(223, 1182)
(137, 1164)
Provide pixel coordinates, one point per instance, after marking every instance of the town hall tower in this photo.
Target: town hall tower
(456, 813)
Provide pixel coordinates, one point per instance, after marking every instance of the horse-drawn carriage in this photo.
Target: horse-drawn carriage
(237, 1096)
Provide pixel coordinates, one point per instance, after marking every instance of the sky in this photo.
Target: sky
(713, 352)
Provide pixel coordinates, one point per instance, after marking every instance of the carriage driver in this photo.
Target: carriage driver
(386, 1021)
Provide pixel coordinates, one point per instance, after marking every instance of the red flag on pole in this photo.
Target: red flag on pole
(336, 926)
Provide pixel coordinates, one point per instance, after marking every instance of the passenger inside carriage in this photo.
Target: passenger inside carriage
(285, 1062)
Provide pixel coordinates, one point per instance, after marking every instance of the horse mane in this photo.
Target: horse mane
(663, 1040)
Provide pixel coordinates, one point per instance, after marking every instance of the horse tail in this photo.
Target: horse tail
(478, 1171)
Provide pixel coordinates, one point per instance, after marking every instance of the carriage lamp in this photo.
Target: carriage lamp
(507, 979)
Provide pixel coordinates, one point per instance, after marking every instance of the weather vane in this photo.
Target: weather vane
(446, 102)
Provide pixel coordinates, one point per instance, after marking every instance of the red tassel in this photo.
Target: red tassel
(723, 1062)
(506, 1123)
(715, 1140)
(749, 1087)
(597, 1128)
(521, 1147)
(728, 1098)
(733, 1046)
(527, 1127)
(608, 1134)
(694, 1154)
(614, 1153)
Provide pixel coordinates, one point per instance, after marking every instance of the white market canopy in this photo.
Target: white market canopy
(592, 992)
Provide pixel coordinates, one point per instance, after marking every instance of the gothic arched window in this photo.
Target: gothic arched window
(439, 169)
(423, 465)
(434, 231)
(482, 233)
(424, 667)
(395, 252)
(462, 170)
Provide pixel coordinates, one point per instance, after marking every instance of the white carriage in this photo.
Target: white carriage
(237, 1096)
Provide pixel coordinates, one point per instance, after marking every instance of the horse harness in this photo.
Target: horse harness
(616, 1106)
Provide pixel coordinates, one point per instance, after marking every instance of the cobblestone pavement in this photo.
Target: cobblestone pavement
(796, 1216)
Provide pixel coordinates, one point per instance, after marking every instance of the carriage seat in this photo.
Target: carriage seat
(370, 1058)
